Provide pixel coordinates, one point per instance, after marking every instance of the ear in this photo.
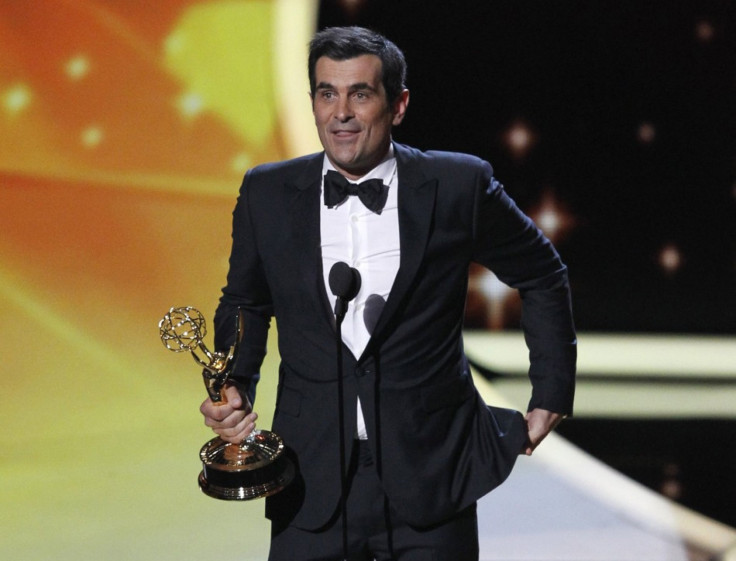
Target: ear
(400, 105)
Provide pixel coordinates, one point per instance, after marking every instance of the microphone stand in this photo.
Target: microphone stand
(340, 309)
(345, 284)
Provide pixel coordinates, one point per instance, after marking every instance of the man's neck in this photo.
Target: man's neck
(357, 176)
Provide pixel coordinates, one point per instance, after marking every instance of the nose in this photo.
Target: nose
(343, 111)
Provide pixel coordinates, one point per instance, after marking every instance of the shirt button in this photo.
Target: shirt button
(354, 218)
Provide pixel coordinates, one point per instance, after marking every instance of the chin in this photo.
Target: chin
(346, 164)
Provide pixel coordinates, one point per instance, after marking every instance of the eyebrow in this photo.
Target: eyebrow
(352, 87)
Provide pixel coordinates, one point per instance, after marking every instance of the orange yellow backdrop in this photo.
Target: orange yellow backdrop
(125, 128)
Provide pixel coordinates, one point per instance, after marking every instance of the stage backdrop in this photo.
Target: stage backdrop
(125, 130)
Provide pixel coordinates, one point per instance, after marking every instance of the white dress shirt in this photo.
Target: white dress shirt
(368, 242)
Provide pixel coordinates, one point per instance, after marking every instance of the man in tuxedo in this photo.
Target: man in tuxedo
(419, 446)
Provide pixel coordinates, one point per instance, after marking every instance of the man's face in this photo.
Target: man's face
(352, 114)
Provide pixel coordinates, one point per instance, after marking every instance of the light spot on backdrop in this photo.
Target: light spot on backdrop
(670, 258)
(92, 136)
(519, 139)
(240, 163)
(77, 67)
(17, 98)
(552, 216)
(646, 133)
(704, 31)
(190, 104)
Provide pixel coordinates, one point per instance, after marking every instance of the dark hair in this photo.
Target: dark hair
(343, 43)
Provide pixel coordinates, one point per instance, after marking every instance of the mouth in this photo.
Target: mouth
(344, 133)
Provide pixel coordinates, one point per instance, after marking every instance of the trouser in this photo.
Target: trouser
(374, 530)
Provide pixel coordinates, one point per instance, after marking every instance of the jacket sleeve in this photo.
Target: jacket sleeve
(508, 243)
(246, 290)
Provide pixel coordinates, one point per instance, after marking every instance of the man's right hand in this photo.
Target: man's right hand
(232, 421)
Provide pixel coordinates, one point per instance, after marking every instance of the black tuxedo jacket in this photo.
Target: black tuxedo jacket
(437, 446)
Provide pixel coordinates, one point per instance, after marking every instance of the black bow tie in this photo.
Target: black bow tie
(372, 193)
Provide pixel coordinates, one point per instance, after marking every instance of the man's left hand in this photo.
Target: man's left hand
(539, 423)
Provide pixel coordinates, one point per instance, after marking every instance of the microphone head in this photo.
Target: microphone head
(344, 281)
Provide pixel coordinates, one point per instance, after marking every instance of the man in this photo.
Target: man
(420, 444)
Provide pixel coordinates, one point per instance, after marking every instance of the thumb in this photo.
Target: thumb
(233, 397)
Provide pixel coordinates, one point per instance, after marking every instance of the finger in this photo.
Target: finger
(235, 439)
(237, 418)
(238, 433)
(242, 429)
(248, 420)
(215, 412)
(233, 419)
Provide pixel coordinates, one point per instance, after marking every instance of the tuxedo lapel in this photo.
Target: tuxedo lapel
(416, 200)
(305, 232)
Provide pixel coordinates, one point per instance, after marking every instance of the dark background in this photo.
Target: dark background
(633, 108)
(586, 76)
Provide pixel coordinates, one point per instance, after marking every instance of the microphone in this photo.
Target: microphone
(345, 284)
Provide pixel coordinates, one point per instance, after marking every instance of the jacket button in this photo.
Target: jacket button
(362, 371)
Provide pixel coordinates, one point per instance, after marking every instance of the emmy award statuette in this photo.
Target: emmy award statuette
(258, 466)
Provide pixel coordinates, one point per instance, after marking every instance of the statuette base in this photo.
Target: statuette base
(256, 468)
